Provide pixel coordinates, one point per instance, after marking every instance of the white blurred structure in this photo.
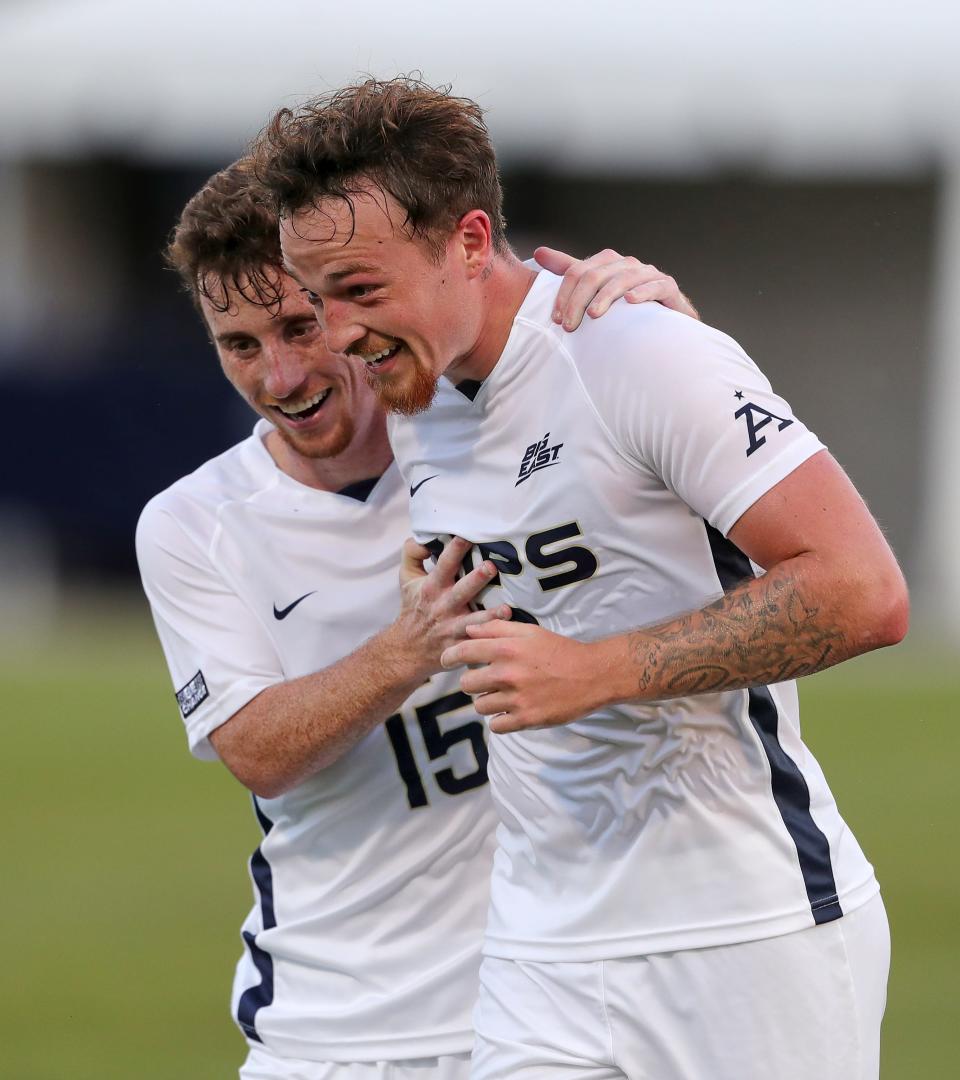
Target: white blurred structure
(827, 89)
(826, 86)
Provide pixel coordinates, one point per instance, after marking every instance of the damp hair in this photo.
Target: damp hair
(227, 240)
(428, 150)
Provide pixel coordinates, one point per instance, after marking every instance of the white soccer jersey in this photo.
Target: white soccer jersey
(372, 879)
(601, 471)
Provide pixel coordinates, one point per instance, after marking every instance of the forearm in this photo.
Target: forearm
(297, 728)
(794, 620)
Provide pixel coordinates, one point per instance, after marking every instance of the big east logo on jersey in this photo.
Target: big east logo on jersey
(566, 565)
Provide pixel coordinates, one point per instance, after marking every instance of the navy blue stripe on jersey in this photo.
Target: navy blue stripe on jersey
(258, 997)
(790, 791)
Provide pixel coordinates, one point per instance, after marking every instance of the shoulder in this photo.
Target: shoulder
(638, 337)
(186, 512)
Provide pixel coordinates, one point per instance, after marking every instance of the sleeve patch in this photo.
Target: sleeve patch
(192, 695)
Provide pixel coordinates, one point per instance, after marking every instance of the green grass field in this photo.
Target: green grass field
(126, 882)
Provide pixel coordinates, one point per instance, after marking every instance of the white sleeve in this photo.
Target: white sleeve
(219, 655)
(685, 401)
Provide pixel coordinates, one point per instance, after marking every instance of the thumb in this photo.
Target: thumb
(412, 558)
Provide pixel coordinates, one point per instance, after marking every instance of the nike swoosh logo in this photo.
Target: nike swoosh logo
(414, 488)
(284, 612)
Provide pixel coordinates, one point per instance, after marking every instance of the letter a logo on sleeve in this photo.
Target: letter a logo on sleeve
(757, 419)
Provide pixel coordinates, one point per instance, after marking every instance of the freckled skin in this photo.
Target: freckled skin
(282, 358)
(377, 287)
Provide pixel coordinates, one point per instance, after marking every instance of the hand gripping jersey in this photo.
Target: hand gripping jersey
(371, 882)
(601, 471)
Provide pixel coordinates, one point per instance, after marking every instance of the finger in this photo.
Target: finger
(554, 260)
(665, 291)
(503, 723)
(485, 615)
(492, 704)
(469, 652)
(457, 629)
(624, 282)
(622, 274)
(412, 558)
(500, 628)
(481, 680)
(450, 561)
(471, 585)
(571, 281)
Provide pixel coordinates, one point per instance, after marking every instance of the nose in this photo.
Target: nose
(285, 371)
(341, 327)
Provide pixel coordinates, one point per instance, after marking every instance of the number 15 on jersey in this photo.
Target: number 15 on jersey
(438, 743)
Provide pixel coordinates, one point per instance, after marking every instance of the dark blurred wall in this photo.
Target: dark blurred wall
(827, 287)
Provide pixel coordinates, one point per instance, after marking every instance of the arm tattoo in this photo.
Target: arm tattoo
(763, 631)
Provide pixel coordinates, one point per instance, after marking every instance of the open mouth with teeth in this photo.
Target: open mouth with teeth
(378, 359)
(303, 410)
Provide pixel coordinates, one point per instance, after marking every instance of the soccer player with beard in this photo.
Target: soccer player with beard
(272, 576)
(674, 894)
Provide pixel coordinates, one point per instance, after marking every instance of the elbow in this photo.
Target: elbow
(886, 616)
(897, 617)
(264, 778)
(267, 787)
(265, 783)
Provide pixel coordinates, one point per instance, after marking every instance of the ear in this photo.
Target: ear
(474, 238)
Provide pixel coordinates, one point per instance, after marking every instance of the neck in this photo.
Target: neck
(368, 455)
(503, 292)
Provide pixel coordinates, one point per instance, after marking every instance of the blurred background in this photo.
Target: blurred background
(796, 168)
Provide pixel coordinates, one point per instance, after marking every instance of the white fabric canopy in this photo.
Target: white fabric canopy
(864, 85)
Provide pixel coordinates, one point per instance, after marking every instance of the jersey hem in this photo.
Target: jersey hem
(673, 940)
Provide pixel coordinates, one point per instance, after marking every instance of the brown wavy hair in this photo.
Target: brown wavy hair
(427, 149)
(228, 238)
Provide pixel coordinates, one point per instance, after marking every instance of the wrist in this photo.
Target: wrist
(616, 678)
(404, 654)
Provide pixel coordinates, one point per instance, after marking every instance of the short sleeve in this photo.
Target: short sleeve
(218, 653)
(685, 401)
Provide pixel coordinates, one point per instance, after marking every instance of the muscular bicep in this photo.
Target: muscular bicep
(815, 510)
(815, 526)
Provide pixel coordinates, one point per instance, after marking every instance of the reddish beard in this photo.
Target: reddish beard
(407, 392)
(330, 446)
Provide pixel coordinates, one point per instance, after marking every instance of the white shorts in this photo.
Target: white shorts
(261, 1065)
(804, 1006)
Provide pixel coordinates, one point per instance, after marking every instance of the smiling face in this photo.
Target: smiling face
(383, 296)
(280, 365)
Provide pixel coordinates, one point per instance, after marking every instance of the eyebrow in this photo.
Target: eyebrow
(348, 271)
(229, 336)
(334, 276)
